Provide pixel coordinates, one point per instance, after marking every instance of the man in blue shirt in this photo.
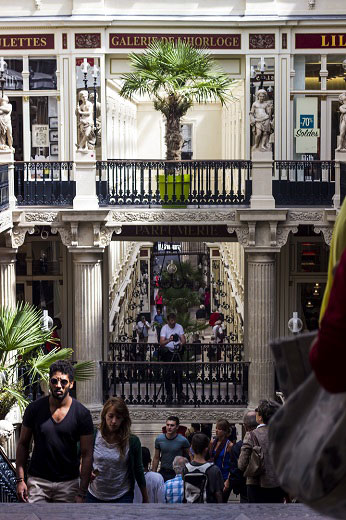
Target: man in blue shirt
(158, 323)
(168, 446)
(174, 488)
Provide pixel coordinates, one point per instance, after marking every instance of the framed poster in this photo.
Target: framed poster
(53, 136)
(40, 136)
(53, 122)
(54, 149)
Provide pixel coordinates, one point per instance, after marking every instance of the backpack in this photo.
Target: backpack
(196, 483)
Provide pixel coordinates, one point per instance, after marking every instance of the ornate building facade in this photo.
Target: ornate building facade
(77, 226)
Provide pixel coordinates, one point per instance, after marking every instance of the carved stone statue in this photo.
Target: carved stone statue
(97, 130)
(342, 124)
(85, 124)
(6, 140)
(261, 114)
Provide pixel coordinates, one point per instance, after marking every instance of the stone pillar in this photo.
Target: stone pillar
(7, 277)
(88, 322)
(262, 191)
(259, 325)
(85, 177)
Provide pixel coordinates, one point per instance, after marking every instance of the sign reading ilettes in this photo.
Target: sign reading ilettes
(26, 41)
(141, 40)
(320, 41)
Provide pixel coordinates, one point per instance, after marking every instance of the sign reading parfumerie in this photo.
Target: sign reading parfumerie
(141, 40)
(26, 41)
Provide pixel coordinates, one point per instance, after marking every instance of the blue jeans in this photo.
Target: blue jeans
(125, 499)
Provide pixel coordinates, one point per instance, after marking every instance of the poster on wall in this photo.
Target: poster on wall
(40, 136)
(306, 131)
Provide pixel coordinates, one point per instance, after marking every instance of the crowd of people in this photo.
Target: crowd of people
(72, 461)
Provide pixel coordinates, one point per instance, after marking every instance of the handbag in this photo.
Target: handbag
(255, 467)
(307, 439)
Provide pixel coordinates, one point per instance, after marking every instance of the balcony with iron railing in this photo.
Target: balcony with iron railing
(201, 375)
(173, 184)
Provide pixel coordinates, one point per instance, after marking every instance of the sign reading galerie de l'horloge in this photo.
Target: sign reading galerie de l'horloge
(141, 40)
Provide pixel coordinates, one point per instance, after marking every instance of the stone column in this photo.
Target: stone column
(7, 277)
(88, 322)
(259, 325)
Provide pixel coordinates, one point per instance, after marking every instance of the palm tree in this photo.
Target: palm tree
(175, 75)
(22, 359)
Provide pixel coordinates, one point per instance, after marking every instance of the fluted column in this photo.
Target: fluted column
(259, 325)
(7, 277)
(88, 322)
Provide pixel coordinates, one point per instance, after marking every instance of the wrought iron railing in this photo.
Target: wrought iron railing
(3, 186)
(204, 374)
(304, 183)
(173, 183)
(203, 352)
(8, 491)
(44, 183)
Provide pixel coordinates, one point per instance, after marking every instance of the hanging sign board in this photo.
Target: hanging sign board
(40, 135)
(306, 131)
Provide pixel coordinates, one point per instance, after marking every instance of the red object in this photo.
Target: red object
(328, 354)
(49, 345)
(320, 40)
(181, 429)
(214, 317)
(9, 42)
(158, 299)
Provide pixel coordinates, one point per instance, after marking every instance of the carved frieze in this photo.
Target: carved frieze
(261, 41)
(305, 216)
(186, 415)
(5, 220)
(87, 40)
(173, 216)
(45, 216)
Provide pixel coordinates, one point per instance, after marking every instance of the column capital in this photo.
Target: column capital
(7, 254)
(89, 255)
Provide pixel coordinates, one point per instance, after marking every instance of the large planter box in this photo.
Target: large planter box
(182, 187)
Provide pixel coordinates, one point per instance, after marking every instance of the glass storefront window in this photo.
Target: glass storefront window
(42, 74)
(335, 80)
(44, 128)
(306, 148)
(312, 257)
(13, 74)
(307, 72)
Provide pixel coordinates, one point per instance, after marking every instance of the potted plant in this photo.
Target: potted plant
(175, 75)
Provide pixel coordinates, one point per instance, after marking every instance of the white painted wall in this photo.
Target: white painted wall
(207, 131)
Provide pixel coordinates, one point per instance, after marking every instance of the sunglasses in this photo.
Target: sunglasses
(55, 381)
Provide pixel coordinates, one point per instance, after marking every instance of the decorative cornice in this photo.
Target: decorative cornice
(305, 216)
(46, 216)
(327, 232)
(173, 216)
(186, 415)
(65, 235)
(282, 233)
(17, 236)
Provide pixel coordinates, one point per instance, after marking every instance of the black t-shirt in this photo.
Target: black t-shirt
(55, 455)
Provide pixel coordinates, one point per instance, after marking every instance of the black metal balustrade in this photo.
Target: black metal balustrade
(173, 183)
(3, 186)
(8, 490)
(209, 375)
(304, 183)
(44, 183)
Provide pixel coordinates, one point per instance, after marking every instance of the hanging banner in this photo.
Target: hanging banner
(306, 131)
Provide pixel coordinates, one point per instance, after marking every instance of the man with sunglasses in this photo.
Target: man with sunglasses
(57, 423)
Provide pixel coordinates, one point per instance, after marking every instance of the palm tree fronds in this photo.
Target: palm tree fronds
(84, 370)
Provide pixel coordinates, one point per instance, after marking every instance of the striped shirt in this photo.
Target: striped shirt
(174, 490)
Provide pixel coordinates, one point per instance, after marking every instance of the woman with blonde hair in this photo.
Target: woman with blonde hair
(117, 457)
